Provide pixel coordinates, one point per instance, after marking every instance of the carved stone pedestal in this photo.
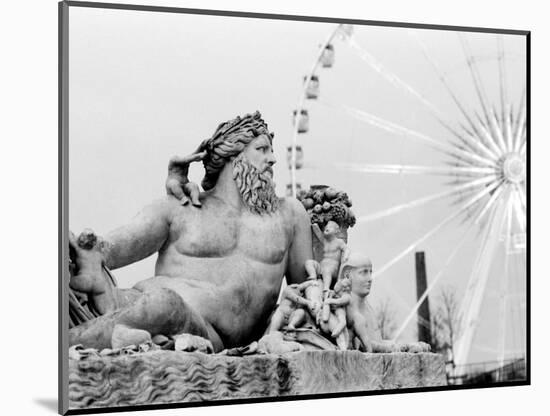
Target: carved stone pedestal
(157, 377)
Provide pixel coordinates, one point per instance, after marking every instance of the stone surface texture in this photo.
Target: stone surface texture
(157, 377)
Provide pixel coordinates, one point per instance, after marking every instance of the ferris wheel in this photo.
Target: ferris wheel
(480, 160)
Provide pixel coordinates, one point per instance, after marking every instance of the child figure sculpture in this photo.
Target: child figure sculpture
(338, 301)
(334, 252)
(290, 312)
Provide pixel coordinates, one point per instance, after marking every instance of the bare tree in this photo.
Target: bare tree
(445, 322)
(385, 318)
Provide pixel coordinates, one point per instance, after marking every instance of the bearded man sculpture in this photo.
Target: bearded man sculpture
(220, 262)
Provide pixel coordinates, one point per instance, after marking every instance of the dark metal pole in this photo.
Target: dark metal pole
(424, 323)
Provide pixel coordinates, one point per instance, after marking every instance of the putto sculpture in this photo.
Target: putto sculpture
(337, 302)
(292, 309)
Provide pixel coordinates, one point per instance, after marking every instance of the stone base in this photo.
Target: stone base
(158, 377)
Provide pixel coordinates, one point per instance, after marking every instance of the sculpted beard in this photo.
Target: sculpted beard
(257, 188)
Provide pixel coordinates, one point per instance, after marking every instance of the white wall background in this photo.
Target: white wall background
(29, 209)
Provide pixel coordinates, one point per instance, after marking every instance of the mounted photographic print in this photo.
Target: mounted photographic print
(265, 207)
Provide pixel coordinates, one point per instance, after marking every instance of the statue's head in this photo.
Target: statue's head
(358, 269)
(87, 239)
(342, 286)
(246, 143)
(331, 228)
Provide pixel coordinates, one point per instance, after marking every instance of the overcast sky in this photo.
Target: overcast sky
(145, 86)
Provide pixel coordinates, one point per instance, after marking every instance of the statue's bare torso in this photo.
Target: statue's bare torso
(226, 263)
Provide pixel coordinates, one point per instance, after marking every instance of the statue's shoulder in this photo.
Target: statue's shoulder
(294, 209)
(170, 201)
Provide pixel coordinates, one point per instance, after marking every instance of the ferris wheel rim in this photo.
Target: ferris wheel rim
(300, 107)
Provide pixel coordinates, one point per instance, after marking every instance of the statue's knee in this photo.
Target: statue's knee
(163, 301)
(155, 307)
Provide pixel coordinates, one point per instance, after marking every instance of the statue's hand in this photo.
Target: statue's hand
(177, 182)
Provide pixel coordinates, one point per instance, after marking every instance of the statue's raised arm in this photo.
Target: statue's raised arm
(177, 182)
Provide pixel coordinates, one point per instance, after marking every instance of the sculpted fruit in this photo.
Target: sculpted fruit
(331, 193)
(308, 203)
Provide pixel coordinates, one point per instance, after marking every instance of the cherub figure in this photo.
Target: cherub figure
(290, 312)
(90, 277)
(334, 252)
(338, 301)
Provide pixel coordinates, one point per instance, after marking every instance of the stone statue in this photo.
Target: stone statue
(90, 278)
(334, 251)
(338, 300)
(291, 313)
(220, 265)
(359, 314)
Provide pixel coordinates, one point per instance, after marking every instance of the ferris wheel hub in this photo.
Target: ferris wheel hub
(513, 168)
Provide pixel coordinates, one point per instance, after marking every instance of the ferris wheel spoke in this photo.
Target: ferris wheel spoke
(435, 229)
(508, 128)
(523, 146)
(422, 201)
(433, 283)
(450, 150)
(487, 137)
(494, 197)
(474, 72)
(522, 197)
(498, 130)
(391, 127)
(516, 114)
(520, 124)
(475, 290)
(397, 82)
(519, 210)
(504, 284)
(443, 80)
(470, 157)
(521, 137)
(418, 170)
(480, 148)
(393, 79)
(472, 282)
(502, 77)
(478, 136)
